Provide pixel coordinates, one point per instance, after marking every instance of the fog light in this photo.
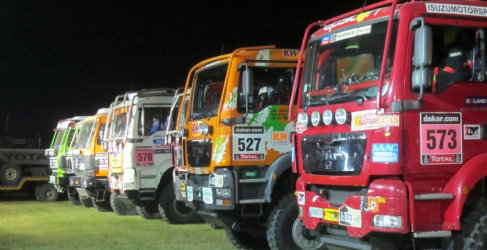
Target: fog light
(315, 118)
(223, 192)
(327, 117)
(387, 221)
(341, 116)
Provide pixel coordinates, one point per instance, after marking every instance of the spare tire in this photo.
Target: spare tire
(10, 174)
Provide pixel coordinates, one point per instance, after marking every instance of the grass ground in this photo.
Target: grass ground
(61, 225)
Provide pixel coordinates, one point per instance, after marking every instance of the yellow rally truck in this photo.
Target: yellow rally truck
(237, 146)
(90, 163)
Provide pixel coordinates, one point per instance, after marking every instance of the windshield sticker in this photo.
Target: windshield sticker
(471, 132)
(351, 33)
(441, 138)
(369, 119)
(456, 9)
(385, 152)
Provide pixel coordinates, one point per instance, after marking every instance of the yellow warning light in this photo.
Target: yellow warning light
(387, 134)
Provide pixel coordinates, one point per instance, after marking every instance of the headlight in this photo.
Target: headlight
(327, 117)
(303, 119)
(204, 129)
(315, 118)
(169, 139)
(82, 166)
(387, 221)
(223, 192)
(341, 116)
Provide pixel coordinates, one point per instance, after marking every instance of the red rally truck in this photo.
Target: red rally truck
(391, 123)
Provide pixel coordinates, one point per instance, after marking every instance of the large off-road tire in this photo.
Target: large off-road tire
(47, 192)
(244, 240)
(473, 233)
(102, 206)
(10, 174)
(148, 213)
(122, 208)
(74, 198)
(86, 202)
(284, 232)
(173, 211)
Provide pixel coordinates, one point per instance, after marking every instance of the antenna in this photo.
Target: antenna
(363, 6)
(223, 46)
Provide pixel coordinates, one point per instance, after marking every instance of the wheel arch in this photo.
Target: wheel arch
(278, 173)
(461, 185)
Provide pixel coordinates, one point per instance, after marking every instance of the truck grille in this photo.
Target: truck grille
(199, 153)
(334, 154)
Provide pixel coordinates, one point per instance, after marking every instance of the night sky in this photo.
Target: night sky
(65, 58)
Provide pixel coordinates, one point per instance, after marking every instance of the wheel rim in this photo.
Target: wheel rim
(181, 209)
(300, 240)
(10, 174)
(49, 194)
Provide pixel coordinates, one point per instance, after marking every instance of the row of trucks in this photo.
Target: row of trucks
(380, 143)
(371, 136)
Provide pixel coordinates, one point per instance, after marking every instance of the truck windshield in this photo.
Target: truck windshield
(344, 66)
(208, 91)
(59, 138)
(119, 123)
(84, 134)
(270, 86)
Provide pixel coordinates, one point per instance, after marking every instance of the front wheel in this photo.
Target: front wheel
(148, 212)
(244, 240)
(47, 192)
(285, 230)
(120, 206)
(173, 211)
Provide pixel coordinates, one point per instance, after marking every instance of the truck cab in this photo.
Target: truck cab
(237, 146)
(89, 162)
(60, 173)
(390, 128)
(140, 161)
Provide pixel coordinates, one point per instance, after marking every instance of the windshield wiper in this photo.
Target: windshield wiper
(345, 96)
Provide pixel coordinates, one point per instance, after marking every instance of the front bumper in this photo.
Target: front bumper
(87, 182)
(368, 210)
(215, 191)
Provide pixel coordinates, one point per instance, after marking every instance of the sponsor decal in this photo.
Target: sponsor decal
(316, 212)
(244, 157)
(301, 198)
(369, 119)
(385, 152)
(248, 130)
(349, 217)
(207, 195)
(476, 100)
(371, 204)
(144, 156)
(248, 143)
(325, 40)
(101, 161)
(280, 137)
(441, 138)
(456, 9)
(290, 52)
(215, 180)
(159, 141)
(189, 193)
(471, 132)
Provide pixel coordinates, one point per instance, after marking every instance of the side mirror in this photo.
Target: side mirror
(423, 53)
(247, 78)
